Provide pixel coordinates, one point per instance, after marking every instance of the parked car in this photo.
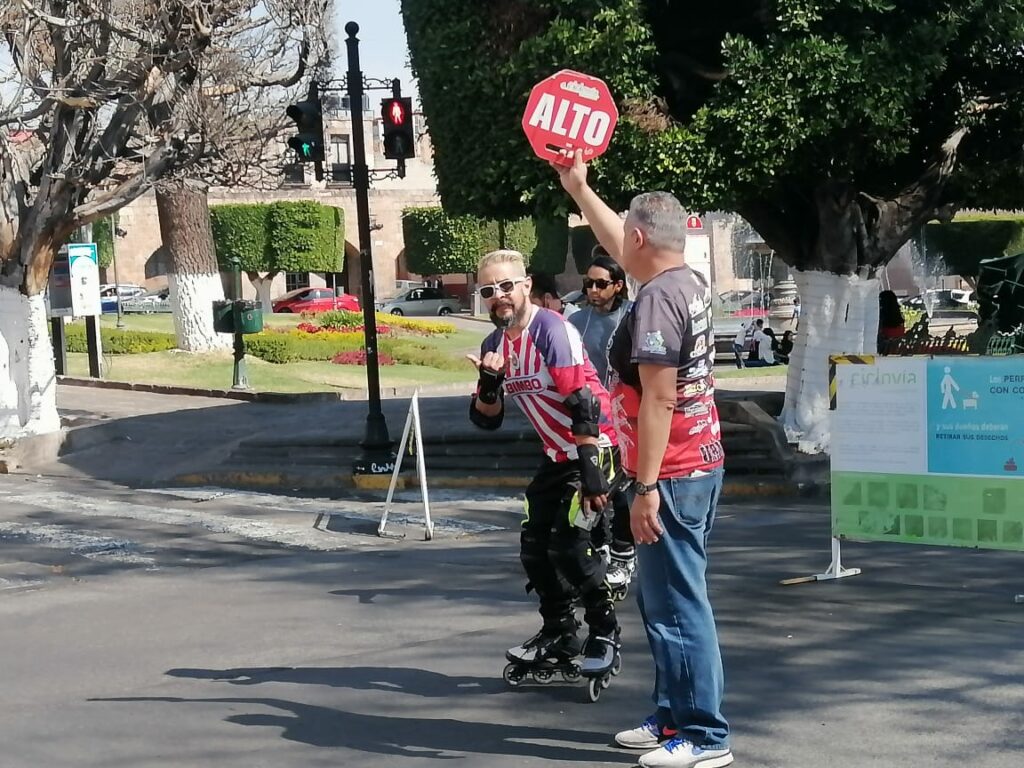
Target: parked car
(421, 301)
(941, 299)
(314, 300)
(148, 303)
(109, 293)
(401, 286)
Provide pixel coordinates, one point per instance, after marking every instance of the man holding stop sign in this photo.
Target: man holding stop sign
(665, 415)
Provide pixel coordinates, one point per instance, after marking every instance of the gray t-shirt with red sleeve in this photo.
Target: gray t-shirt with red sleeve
(669, 324)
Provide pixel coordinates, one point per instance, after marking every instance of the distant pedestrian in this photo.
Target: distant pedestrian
(545, 294)
(891, 325)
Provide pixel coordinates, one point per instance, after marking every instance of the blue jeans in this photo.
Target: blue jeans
(688, 680)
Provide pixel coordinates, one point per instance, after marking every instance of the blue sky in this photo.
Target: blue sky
(382, 48)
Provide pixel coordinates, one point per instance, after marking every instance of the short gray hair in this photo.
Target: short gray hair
(662, 219)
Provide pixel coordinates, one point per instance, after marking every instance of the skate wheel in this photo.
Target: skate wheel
(571, 675)
(623, 592)
(544, 676)
(594, 689)
(617, 665)
(512, 675)
(606, 681)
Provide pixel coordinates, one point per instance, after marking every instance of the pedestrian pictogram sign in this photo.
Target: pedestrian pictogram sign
(570, 111)
(694, 222)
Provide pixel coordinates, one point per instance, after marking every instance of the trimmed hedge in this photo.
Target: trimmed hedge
(115, 342)
(299, 236)
(552, 247)
(103, 236)
(583, 240)
(242, 231)
(439, 244)
(964, 242)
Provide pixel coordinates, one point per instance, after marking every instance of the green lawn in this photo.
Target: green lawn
(214, 371)
(728, 370)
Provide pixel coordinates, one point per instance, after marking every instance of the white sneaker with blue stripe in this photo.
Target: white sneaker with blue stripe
(680, 753)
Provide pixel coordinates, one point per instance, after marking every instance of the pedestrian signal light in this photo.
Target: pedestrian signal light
(399, 137)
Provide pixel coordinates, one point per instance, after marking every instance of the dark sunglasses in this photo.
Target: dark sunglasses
(599, 284)
(505, 286)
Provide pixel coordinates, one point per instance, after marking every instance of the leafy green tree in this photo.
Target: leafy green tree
(439, 244)
(837, 128)
(300, 236)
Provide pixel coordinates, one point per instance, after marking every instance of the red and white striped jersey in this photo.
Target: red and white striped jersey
(543, 366)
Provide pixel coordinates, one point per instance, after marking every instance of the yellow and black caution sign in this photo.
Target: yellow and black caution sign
(833, 361)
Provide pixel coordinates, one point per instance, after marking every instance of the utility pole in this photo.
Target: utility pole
(377, 456)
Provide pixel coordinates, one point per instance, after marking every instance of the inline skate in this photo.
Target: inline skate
(621, 567)
(601, 662)
(549, 653)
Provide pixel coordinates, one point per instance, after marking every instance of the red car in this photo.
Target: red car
(314, 300)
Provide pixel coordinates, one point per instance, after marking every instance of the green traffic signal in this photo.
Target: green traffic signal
(309, 120)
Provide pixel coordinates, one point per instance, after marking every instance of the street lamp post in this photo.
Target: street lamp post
(239, 376)
(118, 232)
(377, 456)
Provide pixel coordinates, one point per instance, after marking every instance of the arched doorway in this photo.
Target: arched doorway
(401, 267)
(350, 278)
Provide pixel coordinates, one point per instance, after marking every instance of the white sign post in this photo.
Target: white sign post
(413, 429)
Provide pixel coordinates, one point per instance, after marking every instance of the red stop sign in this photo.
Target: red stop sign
(569, 111)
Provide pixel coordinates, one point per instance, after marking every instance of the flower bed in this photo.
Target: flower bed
(348, 321)
(326, 345)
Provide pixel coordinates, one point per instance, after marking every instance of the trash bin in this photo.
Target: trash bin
(223, 317)
(250, 316)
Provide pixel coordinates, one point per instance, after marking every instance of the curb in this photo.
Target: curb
(287, 481)
(286, 398)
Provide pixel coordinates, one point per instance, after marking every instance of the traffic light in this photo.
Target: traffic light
(308, 115)
(399, 139)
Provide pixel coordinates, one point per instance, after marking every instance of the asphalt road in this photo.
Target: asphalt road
(157, 627)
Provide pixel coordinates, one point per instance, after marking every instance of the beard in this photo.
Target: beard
(515, 317)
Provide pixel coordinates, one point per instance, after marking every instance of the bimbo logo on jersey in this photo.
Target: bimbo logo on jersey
(523, 386)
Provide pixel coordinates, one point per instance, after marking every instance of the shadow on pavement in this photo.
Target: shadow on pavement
(405, 680)
(442, 738)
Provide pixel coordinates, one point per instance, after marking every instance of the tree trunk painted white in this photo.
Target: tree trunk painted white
(28, 383)
(839, 315)
(194, 281)
(263, 282)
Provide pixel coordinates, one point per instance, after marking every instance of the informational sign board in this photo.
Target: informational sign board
(929, 450)
(75, 282)
(570, 111)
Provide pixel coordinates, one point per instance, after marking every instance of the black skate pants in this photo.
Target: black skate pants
(615, 531)
(558, 556)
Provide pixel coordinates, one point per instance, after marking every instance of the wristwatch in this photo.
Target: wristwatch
(642, 490)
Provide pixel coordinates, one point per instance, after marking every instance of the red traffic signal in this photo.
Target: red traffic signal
(399, 138)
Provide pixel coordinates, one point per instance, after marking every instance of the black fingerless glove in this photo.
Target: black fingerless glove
(592, 478)
(489, 386)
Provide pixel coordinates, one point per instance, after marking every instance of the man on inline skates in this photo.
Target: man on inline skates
(538, 360)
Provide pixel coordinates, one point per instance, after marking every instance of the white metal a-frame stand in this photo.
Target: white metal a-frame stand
(835, 568)
(412, 428)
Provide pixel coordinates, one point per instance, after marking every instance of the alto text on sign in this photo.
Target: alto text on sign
(570, 111)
